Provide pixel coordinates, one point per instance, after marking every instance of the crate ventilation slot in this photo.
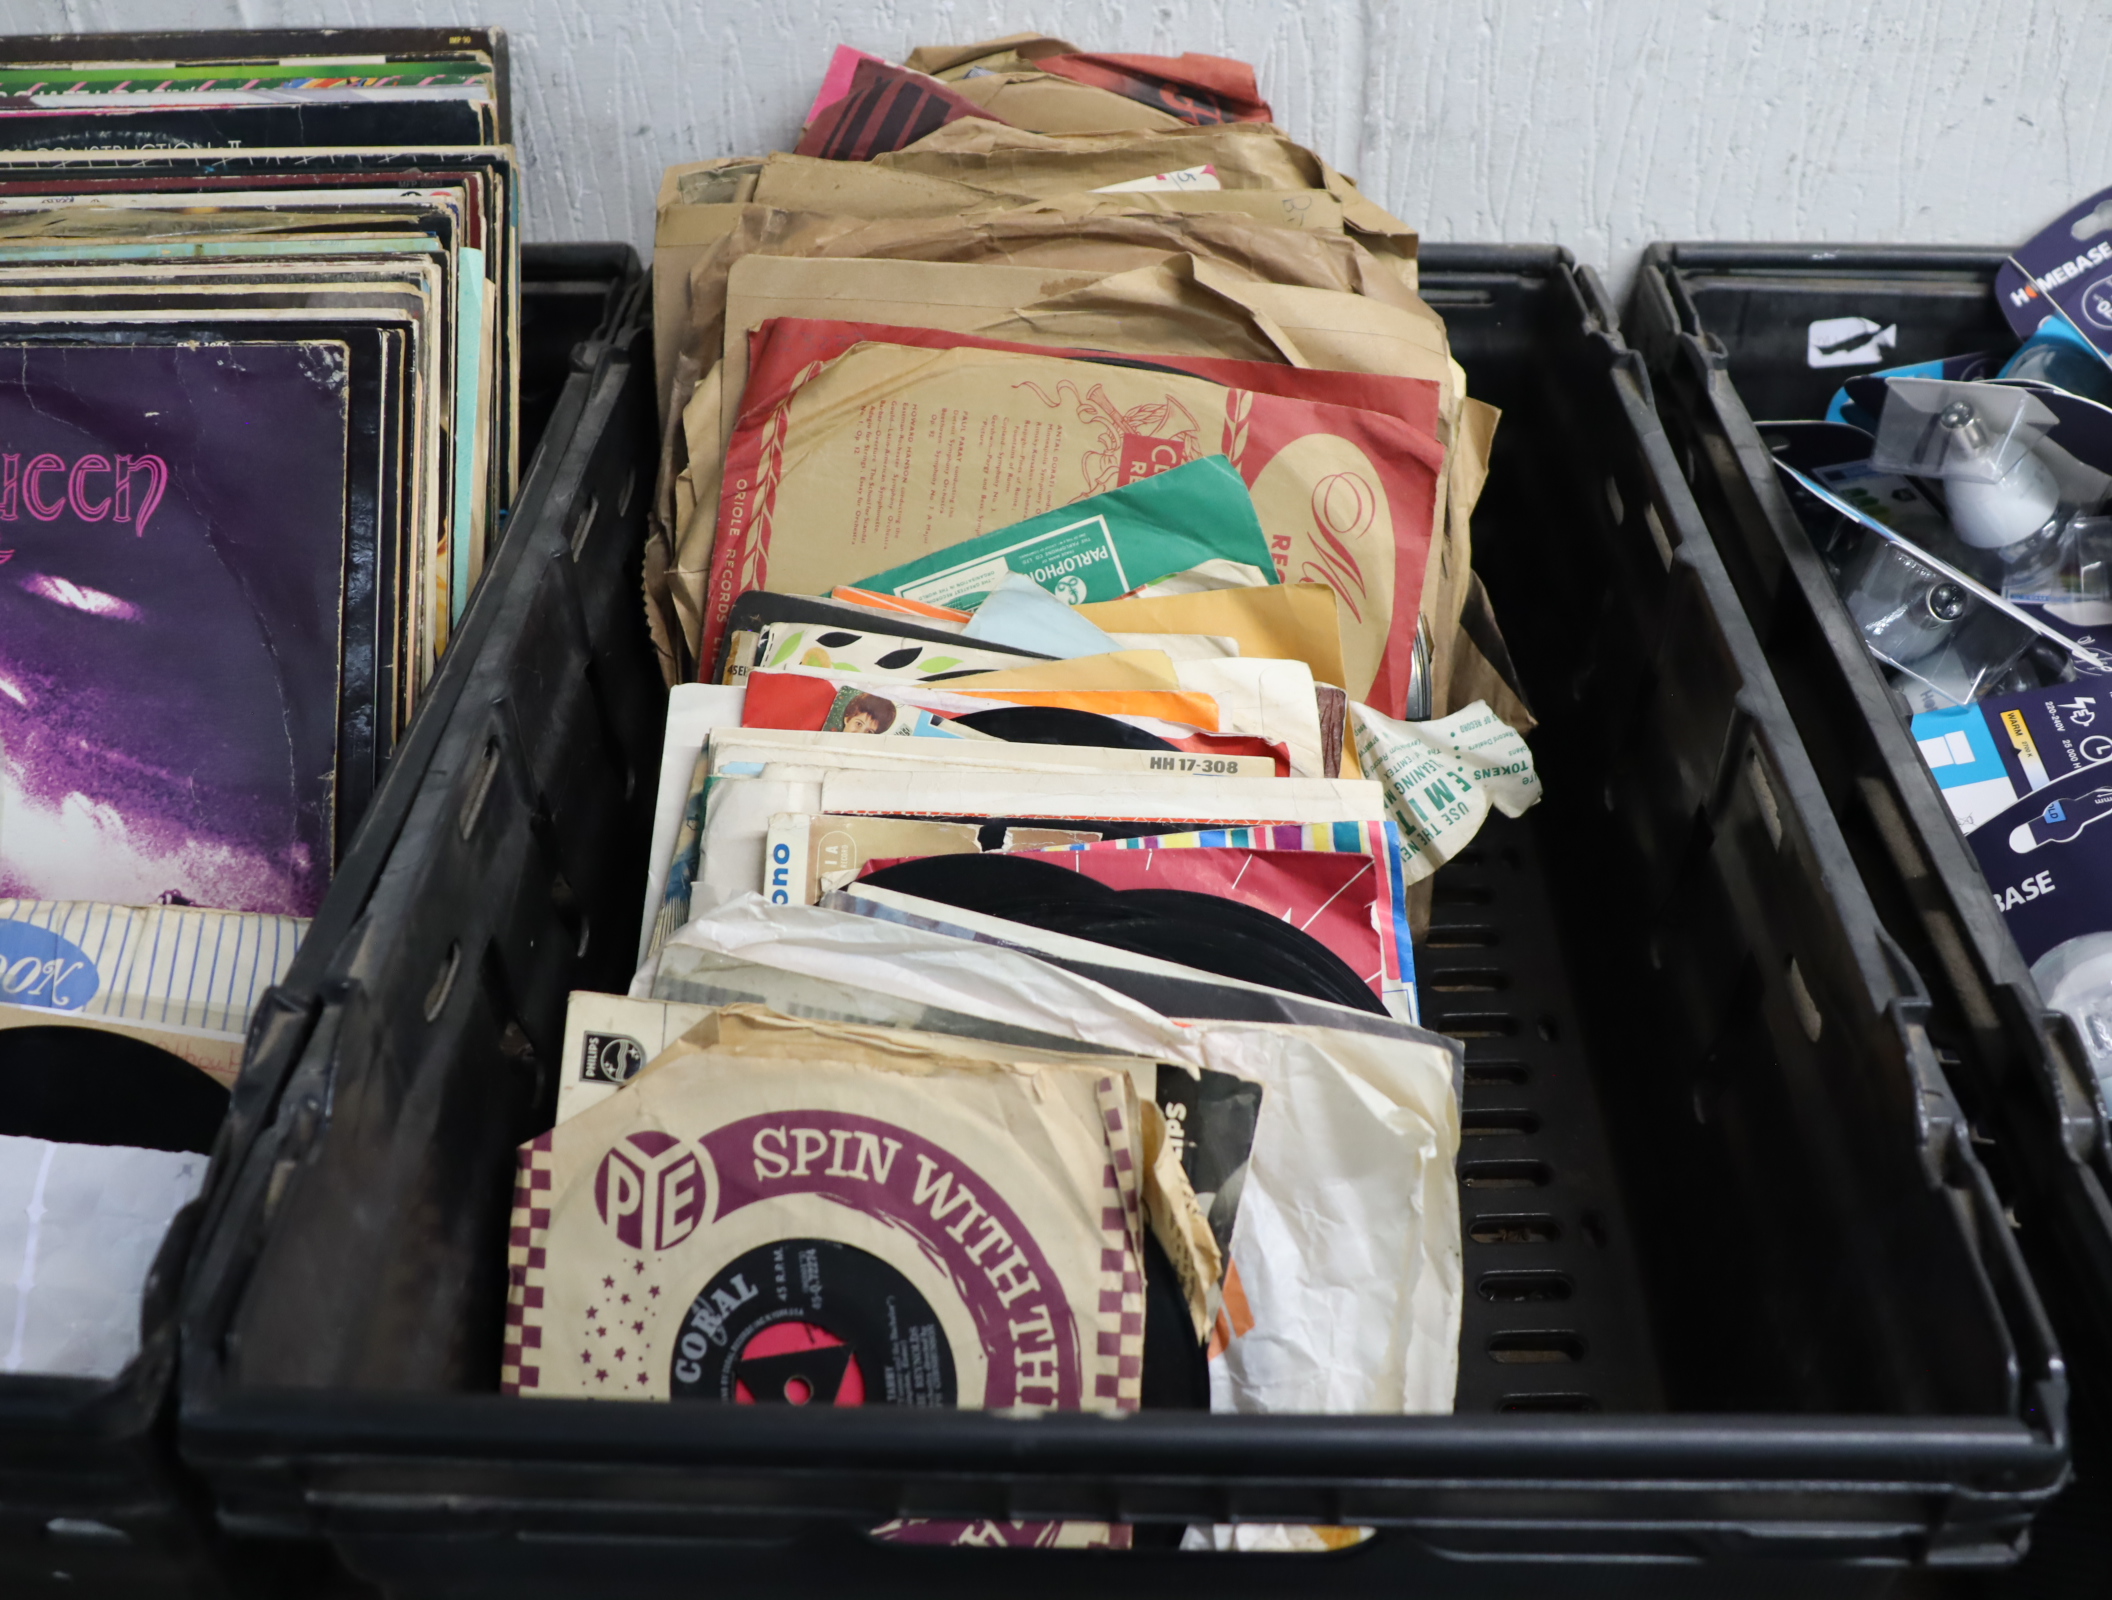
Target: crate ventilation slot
(1481, 1074)
(1467, 980)
(1536, 1349)
(1522, 1228)
(1475, 1024)
(1504, 1174)
(1524, 1288)
(1496, 1123)
(1461, 936)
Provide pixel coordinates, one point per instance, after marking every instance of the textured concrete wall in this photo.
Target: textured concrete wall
(1599, 124)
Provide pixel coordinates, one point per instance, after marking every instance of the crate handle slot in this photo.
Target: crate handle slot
(1525, 1288)
(480, 787)
(1520, 1227)
(443, 982)
(1505, 1174)
(1535, 1348)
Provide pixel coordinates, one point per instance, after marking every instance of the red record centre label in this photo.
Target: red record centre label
(812, 1322)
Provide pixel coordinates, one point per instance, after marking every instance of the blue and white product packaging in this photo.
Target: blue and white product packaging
(2048, 861)
(2064, 271)
(2057, 355)
(1988, 755)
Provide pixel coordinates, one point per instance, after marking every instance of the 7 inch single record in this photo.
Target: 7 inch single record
(1208, 932)
(1060, 725)
(957, 1234)
(812, 1322)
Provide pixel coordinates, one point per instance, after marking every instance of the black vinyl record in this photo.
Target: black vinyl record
(1207, 932)
(994, 884)
(77, 1085)
(1176, 1363)
(813, 1322)
(1060, 725)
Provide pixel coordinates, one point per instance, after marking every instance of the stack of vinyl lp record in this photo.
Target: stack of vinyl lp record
(258, 311)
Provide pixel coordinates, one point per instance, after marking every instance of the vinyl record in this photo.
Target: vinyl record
(1176, 1363)
(1195, 906)
(1286, 958)
(998, 885)
(1060, 725)
(853, 1331)
(858, 1333)
(1207, 932)
(77, 1085)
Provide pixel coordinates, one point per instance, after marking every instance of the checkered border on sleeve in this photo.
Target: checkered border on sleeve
(1116, 1360)
(527, 1253)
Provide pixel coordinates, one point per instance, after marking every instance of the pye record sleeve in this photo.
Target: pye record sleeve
(797, 1212)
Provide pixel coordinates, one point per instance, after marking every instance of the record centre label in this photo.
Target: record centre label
(812, 1322)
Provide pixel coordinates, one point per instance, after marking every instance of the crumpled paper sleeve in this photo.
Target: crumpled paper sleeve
(1347, 1243)
(1310, 209)
(1086, 241)
(1166, 306)
(809, 444)
(941, 60)
(860, 189)
(1171, 305)
(1050, 104)
(1234, 251)
(698, 202)
(1159, 309)
(1247, 155)
(1443, 776)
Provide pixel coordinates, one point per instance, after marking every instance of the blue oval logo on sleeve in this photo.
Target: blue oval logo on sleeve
(40, 968)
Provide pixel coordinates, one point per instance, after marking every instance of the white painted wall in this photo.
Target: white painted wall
(1598, 124)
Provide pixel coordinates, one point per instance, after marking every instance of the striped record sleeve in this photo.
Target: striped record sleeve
(173, 967)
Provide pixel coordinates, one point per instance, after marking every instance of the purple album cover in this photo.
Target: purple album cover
(172, 549)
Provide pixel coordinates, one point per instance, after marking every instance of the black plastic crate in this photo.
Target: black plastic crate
(1724, 328)
(92, 1496)
(1715, 1191)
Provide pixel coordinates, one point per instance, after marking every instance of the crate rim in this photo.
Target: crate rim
(1302, 1446)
